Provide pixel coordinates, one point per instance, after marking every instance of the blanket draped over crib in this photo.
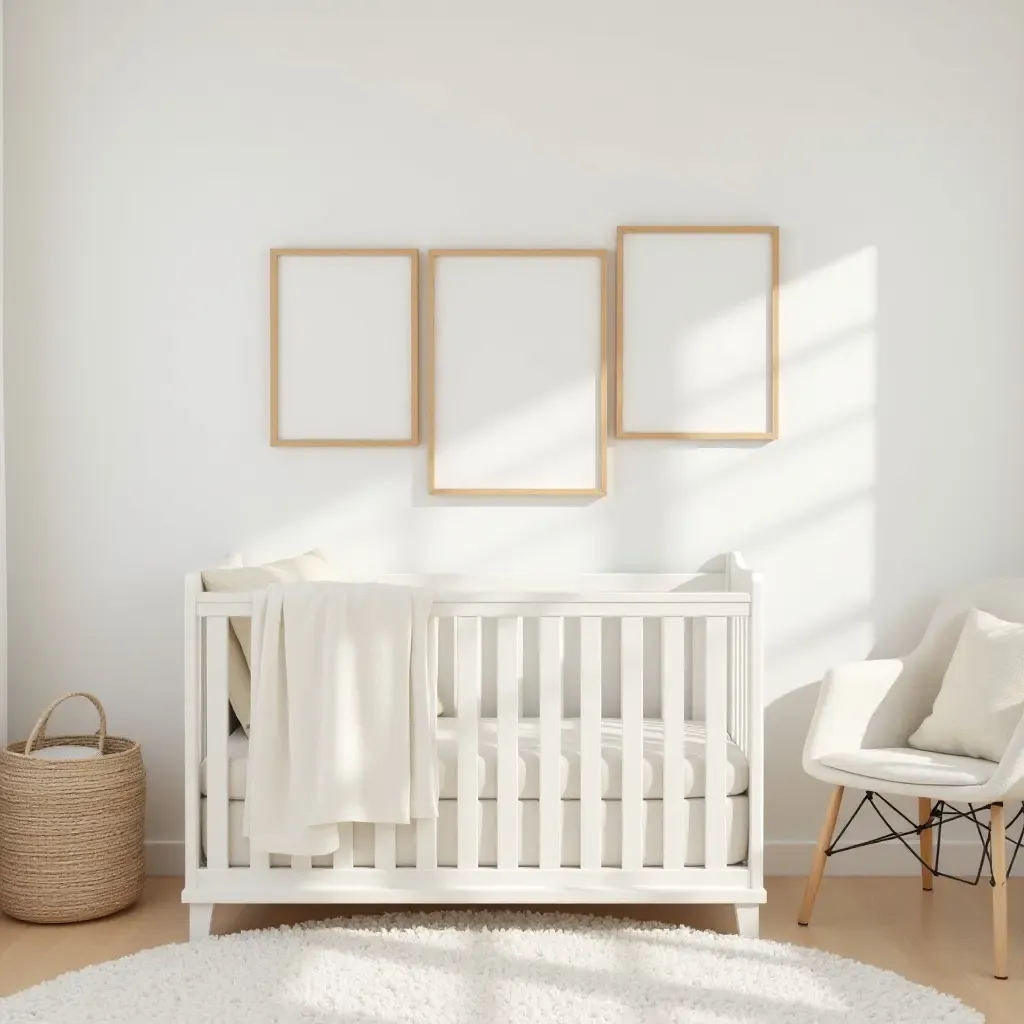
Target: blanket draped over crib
(344, 701)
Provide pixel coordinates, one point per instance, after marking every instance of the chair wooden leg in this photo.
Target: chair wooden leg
(818, 866)
(924, 811)
(999, 924)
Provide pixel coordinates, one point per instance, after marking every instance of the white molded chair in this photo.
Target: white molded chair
(859, 738)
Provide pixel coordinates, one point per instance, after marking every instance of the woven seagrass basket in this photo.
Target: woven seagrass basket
(71, 830)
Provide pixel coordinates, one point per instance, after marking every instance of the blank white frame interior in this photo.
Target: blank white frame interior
(344, 347)
(517, 372)
(698, 333)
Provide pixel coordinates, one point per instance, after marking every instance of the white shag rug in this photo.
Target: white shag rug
(482, 967)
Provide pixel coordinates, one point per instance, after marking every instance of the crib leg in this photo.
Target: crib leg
(748, 916)
(200, 920)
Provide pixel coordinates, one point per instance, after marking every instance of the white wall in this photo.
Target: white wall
(155, 151)
(3, 471)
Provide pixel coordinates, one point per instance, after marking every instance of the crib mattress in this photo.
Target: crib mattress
(694, 760)
(736, 817)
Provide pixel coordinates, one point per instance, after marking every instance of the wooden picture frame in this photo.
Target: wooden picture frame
(716, 314)
(517, 372)
(362, 369)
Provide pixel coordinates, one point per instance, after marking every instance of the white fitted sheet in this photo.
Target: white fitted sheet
(736, 817)
(694, 759)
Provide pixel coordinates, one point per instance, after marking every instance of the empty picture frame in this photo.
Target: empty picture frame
(517, 372)
(343, 347)
(698, 333)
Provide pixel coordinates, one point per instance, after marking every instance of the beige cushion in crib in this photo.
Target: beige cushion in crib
(311, 566)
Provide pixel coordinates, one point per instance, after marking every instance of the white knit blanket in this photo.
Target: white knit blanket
(344, 704)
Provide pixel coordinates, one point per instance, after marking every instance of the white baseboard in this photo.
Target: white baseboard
(165, 857)
(782, 857)
(793, 857)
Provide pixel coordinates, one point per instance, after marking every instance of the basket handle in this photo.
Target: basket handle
(39, 729)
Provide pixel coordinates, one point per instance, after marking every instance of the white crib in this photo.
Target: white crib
(604, 745)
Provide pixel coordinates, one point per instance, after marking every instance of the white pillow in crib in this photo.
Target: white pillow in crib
(310, 567)
(981, 700)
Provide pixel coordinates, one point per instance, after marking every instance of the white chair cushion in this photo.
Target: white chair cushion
(912, 767)
(979, 705)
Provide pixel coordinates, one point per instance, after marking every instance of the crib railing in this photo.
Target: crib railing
(707, 667)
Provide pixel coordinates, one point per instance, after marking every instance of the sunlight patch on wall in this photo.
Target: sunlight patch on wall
(539, 443)
(801, 509)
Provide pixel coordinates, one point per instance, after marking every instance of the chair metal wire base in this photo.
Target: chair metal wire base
(942, 813)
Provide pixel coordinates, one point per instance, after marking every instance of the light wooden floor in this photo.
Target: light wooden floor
(940, 939)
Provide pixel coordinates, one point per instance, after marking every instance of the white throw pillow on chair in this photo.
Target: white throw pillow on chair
(980, 702)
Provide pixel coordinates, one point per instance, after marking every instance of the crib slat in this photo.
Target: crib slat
(744, 686)
(217, 742)
(194, 713)
(735, 716)
(730, 693)
(344, 855)
(673, 684)
(755, 727)
(591, 767)
(442, 646)
(716, 681)
(426, 844)
(384, 846)
(467, 701)
(508, 742)
(550, 742)
(632, 682)
(698, 668)
(426, 828)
